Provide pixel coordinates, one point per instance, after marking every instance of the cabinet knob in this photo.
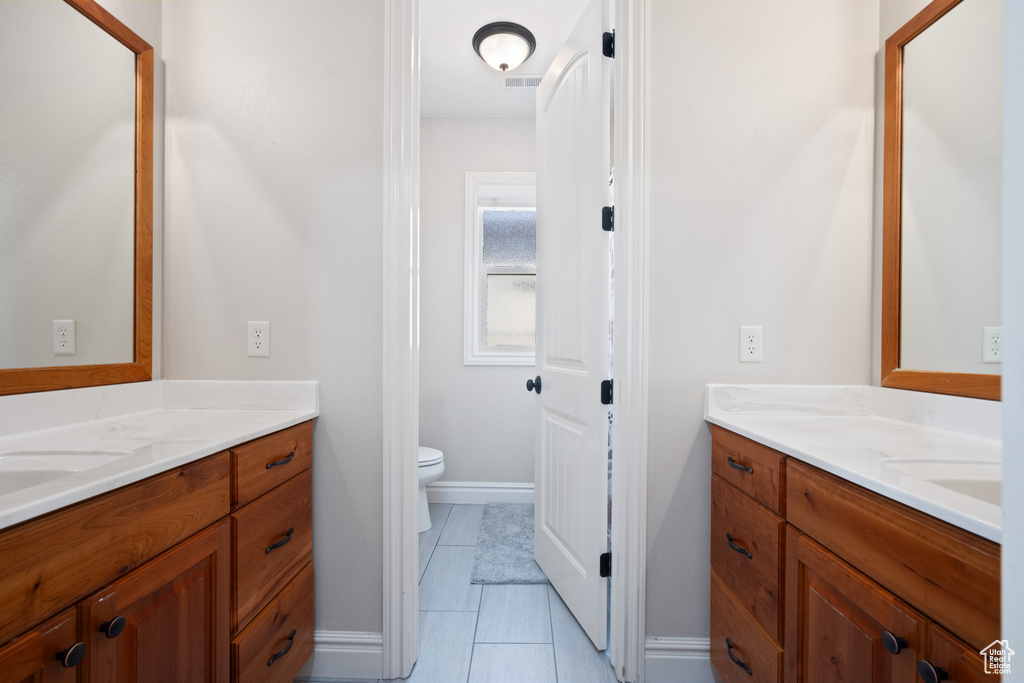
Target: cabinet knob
(71, 656)
(892, 643)
(114, 627)
(930, 673)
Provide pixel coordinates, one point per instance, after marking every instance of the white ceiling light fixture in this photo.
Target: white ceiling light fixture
(504, 45)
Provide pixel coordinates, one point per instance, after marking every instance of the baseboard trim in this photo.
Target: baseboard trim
(345, 654)
(479, 492)
(677, 660)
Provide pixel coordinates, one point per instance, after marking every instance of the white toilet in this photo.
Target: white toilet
(431, 467)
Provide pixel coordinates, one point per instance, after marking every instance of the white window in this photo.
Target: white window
(501, 268)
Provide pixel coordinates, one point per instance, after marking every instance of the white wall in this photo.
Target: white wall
(481, 417)
(762, 124)
(274, 212)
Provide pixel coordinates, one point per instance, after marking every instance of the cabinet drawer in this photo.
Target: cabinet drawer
(752, 649)
(260, 465)
(947, 573)
(273, 537)
(33, 658)
(746, 551)
(754, 469)
(279, 640)
(54, 560)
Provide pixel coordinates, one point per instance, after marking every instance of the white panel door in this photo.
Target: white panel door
(571, 466)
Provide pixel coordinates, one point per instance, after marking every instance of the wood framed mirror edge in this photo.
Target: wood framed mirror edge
(988, 387)
(27, 380)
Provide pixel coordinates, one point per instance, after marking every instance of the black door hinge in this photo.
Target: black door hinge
(606, 392)
(606, 565)
(608, 218)
(608, 47)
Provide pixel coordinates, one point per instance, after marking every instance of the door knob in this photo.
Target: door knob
(533, 384)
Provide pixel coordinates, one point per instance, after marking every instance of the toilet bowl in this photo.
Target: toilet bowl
(431, 467)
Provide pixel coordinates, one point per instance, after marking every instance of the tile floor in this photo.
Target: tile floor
(490, 634)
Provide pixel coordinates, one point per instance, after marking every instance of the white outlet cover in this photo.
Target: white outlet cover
(258, 340)
(64, 337)
(750, 343)
(992, 345)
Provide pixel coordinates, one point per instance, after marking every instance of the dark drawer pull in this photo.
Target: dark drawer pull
(282, 461)
(736, 660)
(114, 627)
(736, 466)
(283, 541)
(70, 657)
(892, 643)
(930, 673)
(739, 549)
(282, 653)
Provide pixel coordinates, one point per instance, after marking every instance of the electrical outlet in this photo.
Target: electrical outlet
(259, 338)
(750, 343)
(63, 337)
(992, 345)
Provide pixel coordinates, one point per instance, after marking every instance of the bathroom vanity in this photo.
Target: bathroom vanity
(200, 572)
(149, 531)
(848, 544)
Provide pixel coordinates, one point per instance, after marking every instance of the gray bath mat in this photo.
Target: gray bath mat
(504, 553)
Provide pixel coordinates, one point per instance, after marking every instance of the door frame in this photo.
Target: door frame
(400, 419)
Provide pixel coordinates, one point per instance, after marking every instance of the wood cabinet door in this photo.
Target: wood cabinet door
(838, 622)
(175, 612)
(40, 655)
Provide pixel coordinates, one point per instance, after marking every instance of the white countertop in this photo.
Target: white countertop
(176, 423)
(872, 436)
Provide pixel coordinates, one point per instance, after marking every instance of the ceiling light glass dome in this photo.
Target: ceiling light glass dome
(504, 45)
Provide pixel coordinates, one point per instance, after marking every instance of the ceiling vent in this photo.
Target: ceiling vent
(521, 81)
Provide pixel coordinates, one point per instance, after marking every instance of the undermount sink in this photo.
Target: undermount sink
(982, 480)
(20, 470)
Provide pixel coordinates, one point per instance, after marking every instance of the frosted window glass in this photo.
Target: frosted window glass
(510, 238)
(511, 310)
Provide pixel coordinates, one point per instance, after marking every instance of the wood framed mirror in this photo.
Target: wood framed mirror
(138, 207)
(906, 207)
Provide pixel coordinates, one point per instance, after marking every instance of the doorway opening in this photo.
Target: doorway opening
(403, 315)
(471, 407)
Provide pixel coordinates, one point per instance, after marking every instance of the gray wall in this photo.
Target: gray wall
(274, 206)
(762, 124)
(481, 417)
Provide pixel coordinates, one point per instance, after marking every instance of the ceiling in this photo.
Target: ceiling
(454, 81)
